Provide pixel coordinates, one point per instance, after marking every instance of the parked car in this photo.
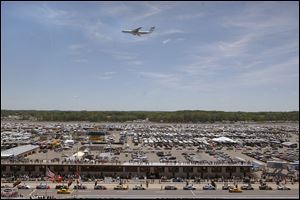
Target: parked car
(61, 187)
(100, 187)
(23, 186)
(121, 187)
(63, 191)
(177, 180)
(227, 187)
(138, 187)
(265, 187)
(170, 187)
(42, 186)
(79, 187)
(283, 187)
(189, 187)
(247, 187)
(208, 187)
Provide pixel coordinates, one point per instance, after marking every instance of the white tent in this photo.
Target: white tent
(223, 140)
(76, 156)
(69, 142)
(104, 156)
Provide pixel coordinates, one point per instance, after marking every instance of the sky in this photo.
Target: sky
(225, 56)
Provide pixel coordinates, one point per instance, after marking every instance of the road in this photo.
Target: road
(157, 193)
(154, 191)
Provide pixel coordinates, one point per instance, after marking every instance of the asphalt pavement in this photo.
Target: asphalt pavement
(155, 191)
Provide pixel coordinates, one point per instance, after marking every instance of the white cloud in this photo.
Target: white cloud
(109, 73)
(116, 10)
(263, 19)
(81, 60)
(248, 61)
(190, 16)
(77, 51)
(106, 75)
(48, 15)
(97, 31)
(134, 62)
(155, 75)
(166, 80)
(171, 31)
(285, 49)
(151, 9)
(76, 46)
(166, 41)
(278, 74)
(125, 57)
(236, 47)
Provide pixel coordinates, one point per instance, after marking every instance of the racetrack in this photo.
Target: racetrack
(157, 193)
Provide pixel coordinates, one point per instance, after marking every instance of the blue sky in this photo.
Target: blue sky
(229, 56)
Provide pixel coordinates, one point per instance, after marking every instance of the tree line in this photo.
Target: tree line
(185, 116)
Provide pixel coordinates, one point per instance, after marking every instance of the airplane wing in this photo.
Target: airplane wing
(136, 30)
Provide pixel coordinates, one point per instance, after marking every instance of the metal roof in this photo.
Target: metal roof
(18, 150)
(288, 143)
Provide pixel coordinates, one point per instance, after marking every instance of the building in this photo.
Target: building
(20, 151)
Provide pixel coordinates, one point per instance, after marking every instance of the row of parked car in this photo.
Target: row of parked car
(209, 186)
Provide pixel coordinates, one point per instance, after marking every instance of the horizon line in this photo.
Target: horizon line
(137, 110)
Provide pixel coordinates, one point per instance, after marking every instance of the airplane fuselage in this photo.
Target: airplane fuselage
(138, 32)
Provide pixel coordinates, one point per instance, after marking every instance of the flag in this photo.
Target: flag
(79, 177)
(70, 183)
(49, 173)
(16, 183)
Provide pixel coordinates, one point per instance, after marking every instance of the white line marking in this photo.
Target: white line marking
(193, 193)
(32, 192)
(160, 191)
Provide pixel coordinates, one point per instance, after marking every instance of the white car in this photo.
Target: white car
(23, 186)
(283, 187)
(189, 187)
(138, 187)
(208, 187)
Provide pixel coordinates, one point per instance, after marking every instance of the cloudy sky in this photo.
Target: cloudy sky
(229, 56)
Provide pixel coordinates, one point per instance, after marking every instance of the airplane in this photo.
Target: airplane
(138, 32)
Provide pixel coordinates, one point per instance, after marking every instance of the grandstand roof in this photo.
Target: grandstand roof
(18, 150)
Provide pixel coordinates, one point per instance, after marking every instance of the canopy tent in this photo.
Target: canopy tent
(223, 140)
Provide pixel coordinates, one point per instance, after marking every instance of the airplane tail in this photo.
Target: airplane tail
(152, 29)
